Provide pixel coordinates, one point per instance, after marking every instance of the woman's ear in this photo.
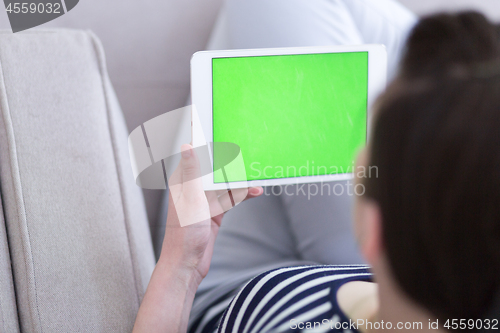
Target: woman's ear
(369, 230)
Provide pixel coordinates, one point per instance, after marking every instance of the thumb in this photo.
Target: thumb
(191, 173)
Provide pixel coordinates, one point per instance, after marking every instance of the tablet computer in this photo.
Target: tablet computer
(296, 115)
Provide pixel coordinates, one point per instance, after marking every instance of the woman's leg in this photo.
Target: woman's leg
(288, 23)
(258, 232)
(319, 215)
(383, 22)
(254, 237)
(254, 234)
(281, 230)
(320, 223)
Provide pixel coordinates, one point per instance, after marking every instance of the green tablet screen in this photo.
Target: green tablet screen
(291, 115)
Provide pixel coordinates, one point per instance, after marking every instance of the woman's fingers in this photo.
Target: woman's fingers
(194, 204)
(230, 199)
(254, 192)
(188, 196)
(214, 203)
(191, 174)
(221, 201)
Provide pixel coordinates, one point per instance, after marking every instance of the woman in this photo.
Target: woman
(428, 223)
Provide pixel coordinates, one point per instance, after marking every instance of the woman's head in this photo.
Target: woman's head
(436, 146)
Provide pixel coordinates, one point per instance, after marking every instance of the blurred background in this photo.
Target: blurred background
(149, 44)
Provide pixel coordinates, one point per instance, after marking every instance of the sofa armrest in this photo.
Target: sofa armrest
(76, 225)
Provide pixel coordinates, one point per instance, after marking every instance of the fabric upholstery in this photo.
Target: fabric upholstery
(8, 308)
(76, 224)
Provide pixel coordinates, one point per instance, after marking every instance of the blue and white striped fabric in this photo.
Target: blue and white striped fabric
(280, 299)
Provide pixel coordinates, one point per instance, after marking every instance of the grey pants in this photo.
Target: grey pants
(298, 226)
(280, 229)
(295, 227)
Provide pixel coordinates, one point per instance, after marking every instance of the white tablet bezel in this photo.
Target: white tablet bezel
(201, 89)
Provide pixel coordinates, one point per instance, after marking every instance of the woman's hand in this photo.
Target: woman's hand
(194, 218)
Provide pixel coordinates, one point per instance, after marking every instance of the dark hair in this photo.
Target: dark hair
(436, 144)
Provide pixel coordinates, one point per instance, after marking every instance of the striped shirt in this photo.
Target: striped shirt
(290, 299)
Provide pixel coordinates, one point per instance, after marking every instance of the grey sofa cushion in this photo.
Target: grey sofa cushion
(77, 230)
(8, 313)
